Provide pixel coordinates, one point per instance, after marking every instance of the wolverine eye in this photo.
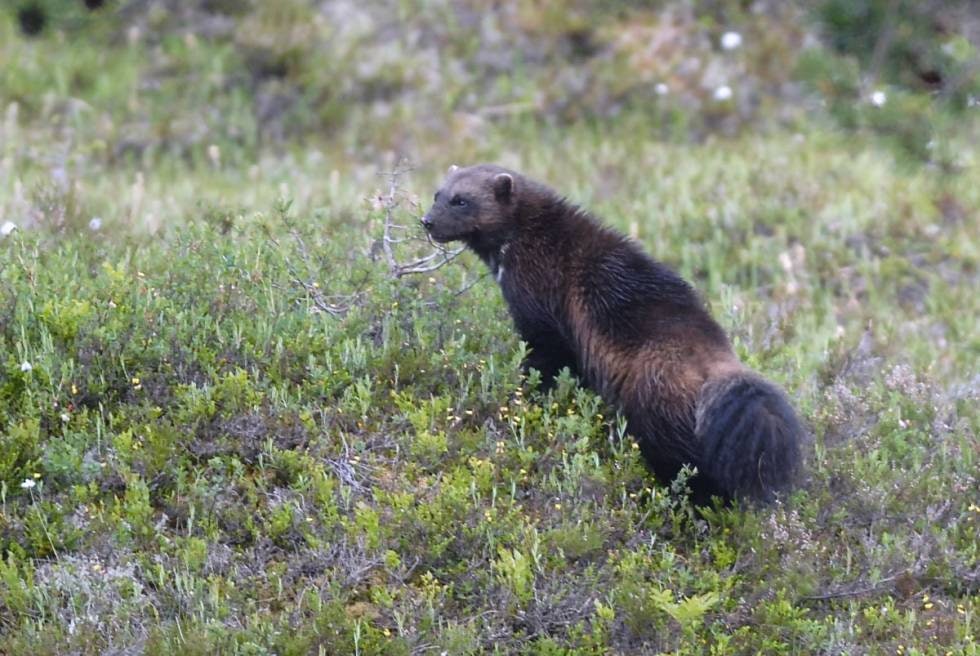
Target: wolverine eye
(458, 201)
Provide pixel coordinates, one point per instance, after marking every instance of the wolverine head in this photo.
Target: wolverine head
(474, 204)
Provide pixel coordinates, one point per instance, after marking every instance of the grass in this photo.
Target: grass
(197, 455)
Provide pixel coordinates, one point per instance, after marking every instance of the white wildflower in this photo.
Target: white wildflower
(731, 40)
(95, 224)
(7, 228)
(26, 366)
(28, 484)
(65, 417)
(878, 98)
(661, 89)
(723, 93)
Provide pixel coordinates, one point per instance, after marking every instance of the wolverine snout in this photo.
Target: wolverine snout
(426, 221)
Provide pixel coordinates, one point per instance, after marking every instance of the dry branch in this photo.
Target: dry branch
(438, 257)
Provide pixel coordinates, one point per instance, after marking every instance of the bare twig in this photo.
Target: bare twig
(468, 286)
(882, 585)
(334, 305)
(344, 468)
(390, 203)
(428, 257)
(436, 259)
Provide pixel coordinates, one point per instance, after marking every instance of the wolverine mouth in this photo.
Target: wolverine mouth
(437, 236)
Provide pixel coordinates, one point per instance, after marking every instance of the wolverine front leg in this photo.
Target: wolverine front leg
(549, 355)
(549, 351)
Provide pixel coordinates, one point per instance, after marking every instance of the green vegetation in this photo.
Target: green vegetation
(227, 427)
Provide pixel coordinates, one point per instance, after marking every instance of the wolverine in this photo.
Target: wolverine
(586, 297)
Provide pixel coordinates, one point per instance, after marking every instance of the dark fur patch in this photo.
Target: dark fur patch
(750, 436)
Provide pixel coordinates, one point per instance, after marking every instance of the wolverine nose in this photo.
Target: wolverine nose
(426, 221)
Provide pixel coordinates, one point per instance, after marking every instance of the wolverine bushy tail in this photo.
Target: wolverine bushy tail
(750, 437)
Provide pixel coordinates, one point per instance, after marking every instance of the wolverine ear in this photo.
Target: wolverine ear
(452, 169)
(503, 186)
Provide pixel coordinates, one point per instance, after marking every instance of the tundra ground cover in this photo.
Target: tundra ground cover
(225, 427)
